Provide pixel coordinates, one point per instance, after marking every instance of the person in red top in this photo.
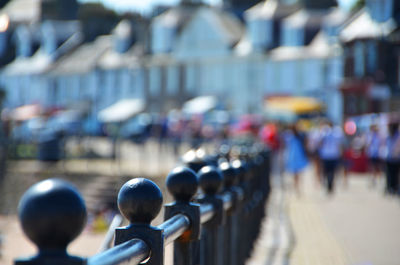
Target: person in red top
(270, 136)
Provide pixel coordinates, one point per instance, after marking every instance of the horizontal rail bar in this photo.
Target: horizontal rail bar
(116, 222)
(227, 199)
(133, 251)
(206, 212)
(174, 227)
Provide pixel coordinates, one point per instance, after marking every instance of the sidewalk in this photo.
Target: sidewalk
(358, 225)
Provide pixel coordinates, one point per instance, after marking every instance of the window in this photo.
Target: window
(190, 78)
(288, 80)
(359, 62)
(137, 86)
(398, 71)
(154, 81)
(172, 79)
(163, 38)
(260, 33)
(292, 36)
(380, 10)
(372, 56)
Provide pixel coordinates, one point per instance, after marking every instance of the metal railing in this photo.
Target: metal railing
(216, 225)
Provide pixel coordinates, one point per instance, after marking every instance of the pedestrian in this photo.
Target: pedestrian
(295, 154)
(330, 153)
(313, 140)
(392, 158)
(373, 143)
(270, 134)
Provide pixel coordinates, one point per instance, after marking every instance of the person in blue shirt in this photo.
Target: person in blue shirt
(330, 153)
(373, 145)
(295, 154)
(392, 158)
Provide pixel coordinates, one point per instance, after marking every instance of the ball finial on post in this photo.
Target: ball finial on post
(240, 169)
(52, 214)
(182, 183)
(140, 200)
(210, 180)
(229, 174)
(194, 159)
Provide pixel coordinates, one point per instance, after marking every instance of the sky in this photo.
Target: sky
(145, 5)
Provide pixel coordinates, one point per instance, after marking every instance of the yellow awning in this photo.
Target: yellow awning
(295, 105)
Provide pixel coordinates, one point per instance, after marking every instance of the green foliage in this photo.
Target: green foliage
(358, 5)
(99, 20)
(92, 10)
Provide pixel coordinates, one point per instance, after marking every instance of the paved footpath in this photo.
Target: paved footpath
(357, 225)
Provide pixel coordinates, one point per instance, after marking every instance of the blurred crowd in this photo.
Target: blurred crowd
(374, 149)
(356, 146)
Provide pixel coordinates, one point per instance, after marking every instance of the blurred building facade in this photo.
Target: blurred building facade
(272, 48)
(371, 54)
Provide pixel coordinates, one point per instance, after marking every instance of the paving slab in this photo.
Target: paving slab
(357, 225)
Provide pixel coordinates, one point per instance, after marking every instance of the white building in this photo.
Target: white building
(195, 50)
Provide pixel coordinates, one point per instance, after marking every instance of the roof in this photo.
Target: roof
(304, 18)
(123, 29)
(270, 9)
(362, 26)
(84, 58)
(177, 17)
(336, 17)
(244, 47)
(321, 45)
(112, 59)
(40, 62)
(62, 30)
(229, 24)
(318, 48)
(121, 110)
(23, 11)
(298, 19)
(27, 31)
(225, 25)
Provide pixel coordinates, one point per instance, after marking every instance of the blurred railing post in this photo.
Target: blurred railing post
(242, 221)
(182, 183)
(210, 180)
(231, 227)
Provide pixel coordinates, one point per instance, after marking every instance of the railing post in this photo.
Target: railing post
(231, 227)
(210, 180)
(254, 211)
(52, 214)
(240, 169)
(182, 183)
(140, 200)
